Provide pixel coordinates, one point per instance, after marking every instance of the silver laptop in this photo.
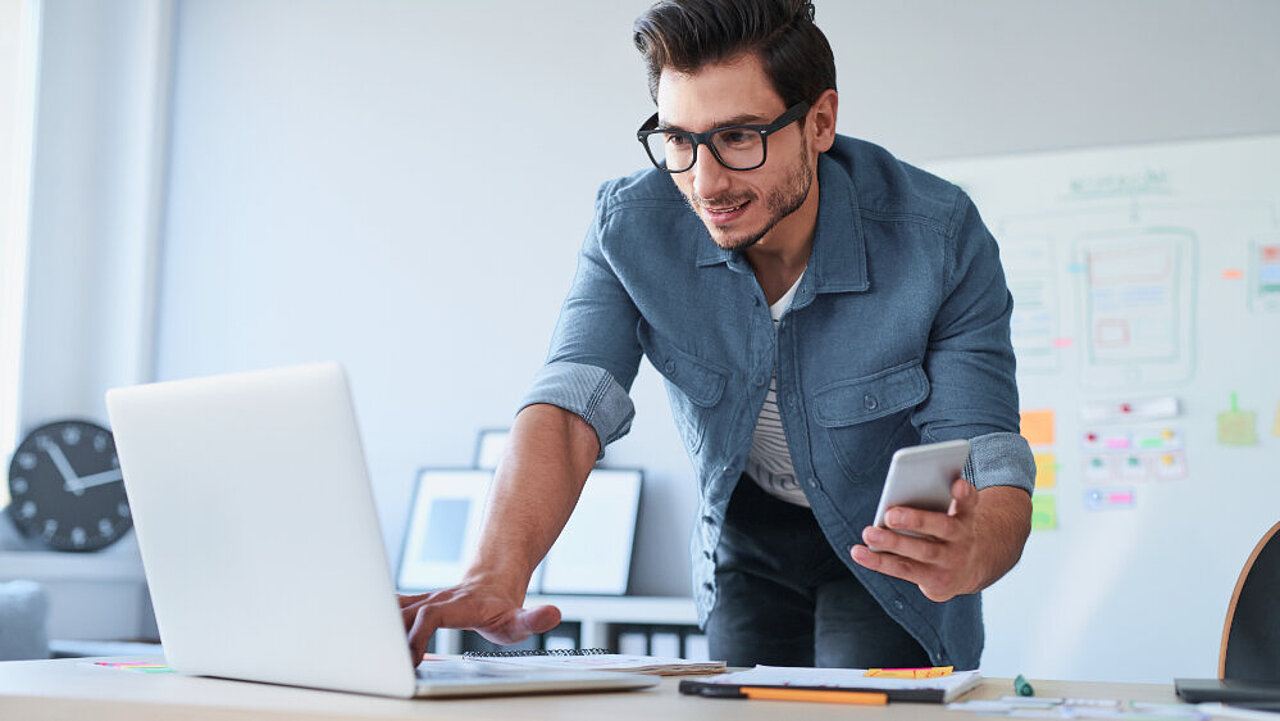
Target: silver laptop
(261, 544)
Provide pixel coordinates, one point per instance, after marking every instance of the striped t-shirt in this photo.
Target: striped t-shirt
(769, 462)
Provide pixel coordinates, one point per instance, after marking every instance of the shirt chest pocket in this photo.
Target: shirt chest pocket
(865, 419)
(694, 385)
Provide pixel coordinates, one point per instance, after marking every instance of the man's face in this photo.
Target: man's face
(739, 208)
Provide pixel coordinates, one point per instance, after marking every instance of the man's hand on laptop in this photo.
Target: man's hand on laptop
(497, 616)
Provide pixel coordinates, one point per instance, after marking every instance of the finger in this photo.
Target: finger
(410, 599)
(964, 498)
(931, 582)
(426, 623)
(409, 611)
(541, 618)
(925, 550)
(887, 563)
(926, 523)
(518, 624)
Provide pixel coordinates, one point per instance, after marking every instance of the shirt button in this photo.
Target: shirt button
(760, 379)
(791, 399)
(898, 604)
(670, 366)
(813, 483)
(870, 402)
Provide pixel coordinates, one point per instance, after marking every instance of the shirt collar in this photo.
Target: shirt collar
(838, 261)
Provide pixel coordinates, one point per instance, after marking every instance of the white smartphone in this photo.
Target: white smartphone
(921, 477)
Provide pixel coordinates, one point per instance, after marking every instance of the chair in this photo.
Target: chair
(1251, 634)
(24, 618)
(1249, 662)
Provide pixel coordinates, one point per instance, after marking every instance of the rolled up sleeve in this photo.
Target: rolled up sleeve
(590, 392)
(1001, 459)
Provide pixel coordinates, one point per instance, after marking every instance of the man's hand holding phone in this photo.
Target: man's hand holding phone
(934, 529)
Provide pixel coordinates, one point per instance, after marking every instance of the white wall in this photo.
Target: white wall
(403, 185)
(17, 55)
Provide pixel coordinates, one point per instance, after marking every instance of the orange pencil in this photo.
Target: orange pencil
(863, 698)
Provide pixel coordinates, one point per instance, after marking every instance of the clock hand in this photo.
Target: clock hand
(69, 478)
(99, 479)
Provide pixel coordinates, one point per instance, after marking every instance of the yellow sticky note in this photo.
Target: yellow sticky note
(1044, 512)
(1046, 470)
(1237, 428)
(1037, 426)
(929, 672)
(1275, 428)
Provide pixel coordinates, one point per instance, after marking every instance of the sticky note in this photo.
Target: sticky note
(1098, 499)
(1044, 512)
(1233, 274)
(928, 672)
(1097, 469)
(1171, 465)
(1133, 468)
(1046, 470)
(1118, 441)
(141, 666)
(1037, 426)
(1275, 428)
(1237, 428)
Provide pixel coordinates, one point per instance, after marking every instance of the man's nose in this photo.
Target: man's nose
(710, 178)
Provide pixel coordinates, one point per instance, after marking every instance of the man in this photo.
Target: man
(813, 304)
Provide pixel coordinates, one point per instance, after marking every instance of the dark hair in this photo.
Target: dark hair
(686, 35)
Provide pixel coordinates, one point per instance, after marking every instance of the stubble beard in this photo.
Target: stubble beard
(782, 201)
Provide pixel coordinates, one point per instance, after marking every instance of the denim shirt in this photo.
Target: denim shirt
(898, 334)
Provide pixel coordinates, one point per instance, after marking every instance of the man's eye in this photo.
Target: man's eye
(677, 141)
(736, 137)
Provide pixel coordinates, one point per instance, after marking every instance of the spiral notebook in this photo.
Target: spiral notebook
(598, 659)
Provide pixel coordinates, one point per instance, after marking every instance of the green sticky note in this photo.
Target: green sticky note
(1044, 512)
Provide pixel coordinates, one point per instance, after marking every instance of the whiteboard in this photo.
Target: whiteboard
(1146, 283)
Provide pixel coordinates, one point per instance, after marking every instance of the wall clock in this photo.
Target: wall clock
(66, 488)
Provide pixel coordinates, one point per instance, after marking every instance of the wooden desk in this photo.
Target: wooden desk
(69, 689)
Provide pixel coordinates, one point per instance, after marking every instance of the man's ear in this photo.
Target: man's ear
(822, 120)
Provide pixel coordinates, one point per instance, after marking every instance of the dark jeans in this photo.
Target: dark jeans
(786, 598)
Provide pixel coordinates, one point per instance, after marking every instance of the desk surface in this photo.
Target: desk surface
(75, 689)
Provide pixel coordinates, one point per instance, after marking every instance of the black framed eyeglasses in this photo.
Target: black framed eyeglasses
(736, 147)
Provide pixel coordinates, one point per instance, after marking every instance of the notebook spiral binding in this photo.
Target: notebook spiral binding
(528, 652)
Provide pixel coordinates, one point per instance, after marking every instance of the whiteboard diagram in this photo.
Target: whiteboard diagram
(1146, 323)
(1137, 326)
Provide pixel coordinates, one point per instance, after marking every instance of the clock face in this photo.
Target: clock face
(66, 487)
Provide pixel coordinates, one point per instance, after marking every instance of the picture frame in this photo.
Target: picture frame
(593, 554)
(489, 445)
(443, 528)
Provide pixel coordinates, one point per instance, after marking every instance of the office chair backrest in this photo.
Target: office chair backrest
(1251, 634)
